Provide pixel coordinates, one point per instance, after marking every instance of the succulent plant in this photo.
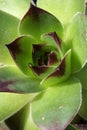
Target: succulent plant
(43, 70)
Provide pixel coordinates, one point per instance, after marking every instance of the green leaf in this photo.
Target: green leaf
(45, 59)
(22, 120)
(82, 76)
(11, 103)
(15, 7)
(61, 9)
(27, 122)
(60, 73)
(76, 38)
(21, 51)
(37, 22)
(83, 109)
(8, 32)
(54, 41)
(8, 27)
(12, 80)
(56, 108)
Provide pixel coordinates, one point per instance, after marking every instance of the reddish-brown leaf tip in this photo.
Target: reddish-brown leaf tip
(59, 71)
(56, 38)
(39, 69)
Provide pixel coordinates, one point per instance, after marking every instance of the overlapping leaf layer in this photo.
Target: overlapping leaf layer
(43, 54)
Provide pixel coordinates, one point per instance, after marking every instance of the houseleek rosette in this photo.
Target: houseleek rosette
(43, 64)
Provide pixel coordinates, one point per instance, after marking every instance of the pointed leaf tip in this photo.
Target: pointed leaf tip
(60, 70)
(21, 51)
(61, 73)
(14, 48)
(38, 21)
(39, 69)
(56, 38)
(52, 58)
(53, 40)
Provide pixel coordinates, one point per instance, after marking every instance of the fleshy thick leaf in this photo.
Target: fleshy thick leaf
(37, 22)
(11, 103)
(83, 109)
(75, 38)
(12, 80)
(22, 120)
(21, 51)
(8, 27)
(8, 32)
(15, 7)
(61, 73)
(82, 76)
(53, 40)
(27, 123)
(44, 59)
(55, 108)
(61, 9)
